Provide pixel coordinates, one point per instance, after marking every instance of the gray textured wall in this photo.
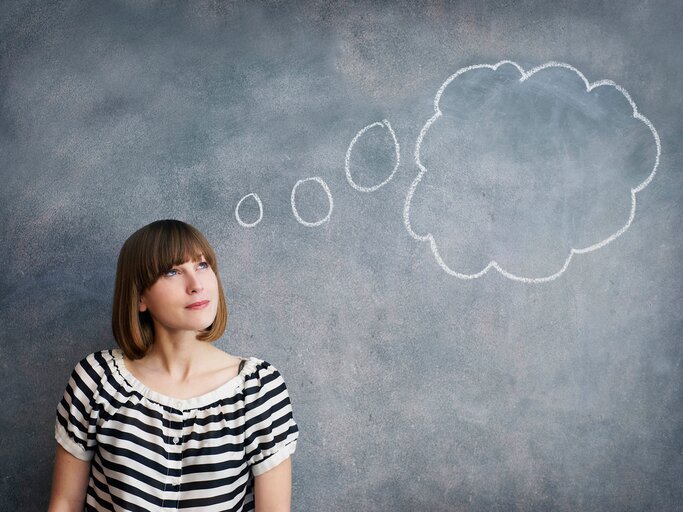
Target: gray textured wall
(414, 389)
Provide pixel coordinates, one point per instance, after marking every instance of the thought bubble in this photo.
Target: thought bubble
(238, 215)
(328, 193)
(386, 125)
(521, 170)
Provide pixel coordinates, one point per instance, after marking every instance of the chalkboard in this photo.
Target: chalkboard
(454, 227)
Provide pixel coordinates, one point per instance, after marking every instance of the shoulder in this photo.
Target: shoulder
(262, 377)
(259, 369)
(101, 361)
(93, 369)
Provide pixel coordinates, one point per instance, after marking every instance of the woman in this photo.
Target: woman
(168, 421)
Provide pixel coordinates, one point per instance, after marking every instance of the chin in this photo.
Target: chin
(208, 323)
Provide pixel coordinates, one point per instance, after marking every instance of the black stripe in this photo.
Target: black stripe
(263, 446)
(83, 408)
(142, 443)
(260, 399)
(147, 428)
(94, 375)
(100, 502)
(213, 500)
(267, 413)
(276, 440)
(117, 451)
(207, 451)
(213, 434)
(141, 477)
(127, 488)
(212, 484)
(267, 428)
(70, 421)
(220, 416)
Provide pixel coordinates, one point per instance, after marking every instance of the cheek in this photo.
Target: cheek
(213, 283)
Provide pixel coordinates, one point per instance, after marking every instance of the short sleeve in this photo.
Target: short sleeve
(77, 412)
(270, 432)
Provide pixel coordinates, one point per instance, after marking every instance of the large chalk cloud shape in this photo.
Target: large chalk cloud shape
(522, 170)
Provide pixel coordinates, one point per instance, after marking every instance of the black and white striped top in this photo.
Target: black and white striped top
(149, 451)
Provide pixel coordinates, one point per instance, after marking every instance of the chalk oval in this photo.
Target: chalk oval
(347, 161)
(257, 199)
(324, 186)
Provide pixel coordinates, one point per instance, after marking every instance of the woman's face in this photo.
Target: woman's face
(169, 298)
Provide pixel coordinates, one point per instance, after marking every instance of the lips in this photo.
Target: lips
(198, 305)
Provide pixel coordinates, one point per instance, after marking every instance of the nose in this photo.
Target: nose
(194, 284)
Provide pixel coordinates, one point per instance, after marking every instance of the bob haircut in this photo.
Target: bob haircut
(145, 256)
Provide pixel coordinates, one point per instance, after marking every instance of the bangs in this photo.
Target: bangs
(173, 244)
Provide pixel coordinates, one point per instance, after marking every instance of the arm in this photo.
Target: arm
(273, 489)
(69, 482)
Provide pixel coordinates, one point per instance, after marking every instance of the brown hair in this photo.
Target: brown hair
(144, 257)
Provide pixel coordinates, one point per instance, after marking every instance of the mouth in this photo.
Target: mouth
(198, 305)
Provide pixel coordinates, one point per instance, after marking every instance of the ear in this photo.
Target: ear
(142, 307)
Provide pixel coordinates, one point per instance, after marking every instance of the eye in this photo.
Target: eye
(205, 263)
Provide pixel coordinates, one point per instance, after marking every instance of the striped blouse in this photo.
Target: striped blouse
(152, 452)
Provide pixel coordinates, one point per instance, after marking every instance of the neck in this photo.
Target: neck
(177, 356)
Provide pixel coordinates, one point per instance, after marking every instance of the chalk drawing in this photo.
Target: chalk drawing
(322, 183)
(260, 209)
(347, 161)
(574, 250)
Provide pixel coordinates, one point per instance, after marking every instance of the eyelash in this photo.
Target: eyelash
(175, 270)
